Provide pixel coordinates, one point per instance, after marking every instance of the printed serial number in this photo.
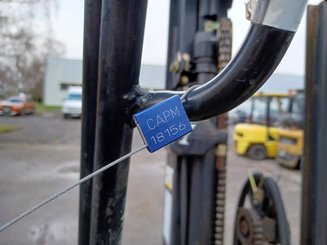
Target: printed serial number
(168, 132)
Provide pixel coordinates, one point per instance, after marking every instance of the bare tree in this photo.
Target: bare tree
(25, 41)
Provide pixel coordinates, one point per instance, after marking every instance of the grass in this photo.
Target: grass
(41, 108)
(6, 128)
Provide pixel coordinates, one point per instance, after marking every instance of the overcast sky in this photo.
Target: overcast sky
(68, 28)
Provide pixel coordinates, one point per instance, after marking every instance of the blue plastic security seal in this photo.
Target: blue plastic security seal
(163, 123)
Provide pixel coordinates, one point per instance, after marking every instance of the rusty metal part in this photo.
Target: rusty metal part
(248, 227)
(220, 207)
(225, 42)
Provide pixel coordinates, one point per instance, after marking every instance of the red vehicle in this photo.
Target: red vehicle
(17, 105)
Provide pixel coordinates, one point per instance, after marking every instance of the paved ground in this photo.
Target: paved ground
(36, 161)
(43, 156)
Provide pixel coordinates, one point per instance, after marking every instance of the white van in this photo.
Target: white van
(72, 106)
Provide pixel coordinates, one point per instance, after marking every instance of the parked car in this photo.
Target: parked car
(239, 114)
(17, 105)
(72, 106)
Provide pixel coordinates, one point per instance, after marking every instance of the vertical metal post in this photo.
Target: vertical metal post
(314, 199)
(121, 40)
(182, 26)
(92, 17)
(187, 24)
(172, 41)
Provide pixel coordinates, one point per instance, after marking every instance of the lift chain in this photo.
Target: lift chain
(224, 55)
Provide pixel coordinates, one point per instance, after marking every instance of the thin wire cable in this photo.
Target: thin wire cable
(189, 90)
(58, 194)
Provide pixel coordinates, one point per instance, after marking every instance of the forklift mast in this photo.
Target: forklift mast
(200, 44)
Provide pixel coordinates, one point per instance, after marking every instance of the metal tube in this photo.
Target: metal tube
(256, 60)
(92, 16)
(248, 71)
(314, 196)
(121, 39)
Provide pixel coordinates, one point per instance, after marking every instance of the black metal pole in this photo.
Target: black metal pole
(182, 25)
(172, 41)
(187, 24)
(314, 198)
(92, 17)
(121, 39)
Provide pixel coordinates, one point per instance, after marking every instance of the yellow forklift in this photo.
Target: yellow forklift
(257, 138)
(290, 142)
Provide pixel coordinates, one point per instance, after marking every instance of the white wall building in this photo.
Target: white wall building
(59, 75)
(62, 73)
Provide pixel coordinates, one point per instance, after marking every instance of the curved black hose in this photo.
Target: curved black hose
(283, 226)
(261, 52)
(272, 192)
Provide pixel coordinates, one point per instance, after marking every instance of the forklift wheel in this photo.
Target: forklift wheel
(257, 152)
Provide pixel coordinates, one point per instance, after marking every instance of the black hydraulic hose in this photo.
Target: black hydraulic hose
(283, 226)
(272, 192)
(256, 60)
(251, 67)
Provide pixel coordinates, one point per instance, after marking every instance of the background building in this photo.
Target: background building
(62, 73)
(59, 75)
